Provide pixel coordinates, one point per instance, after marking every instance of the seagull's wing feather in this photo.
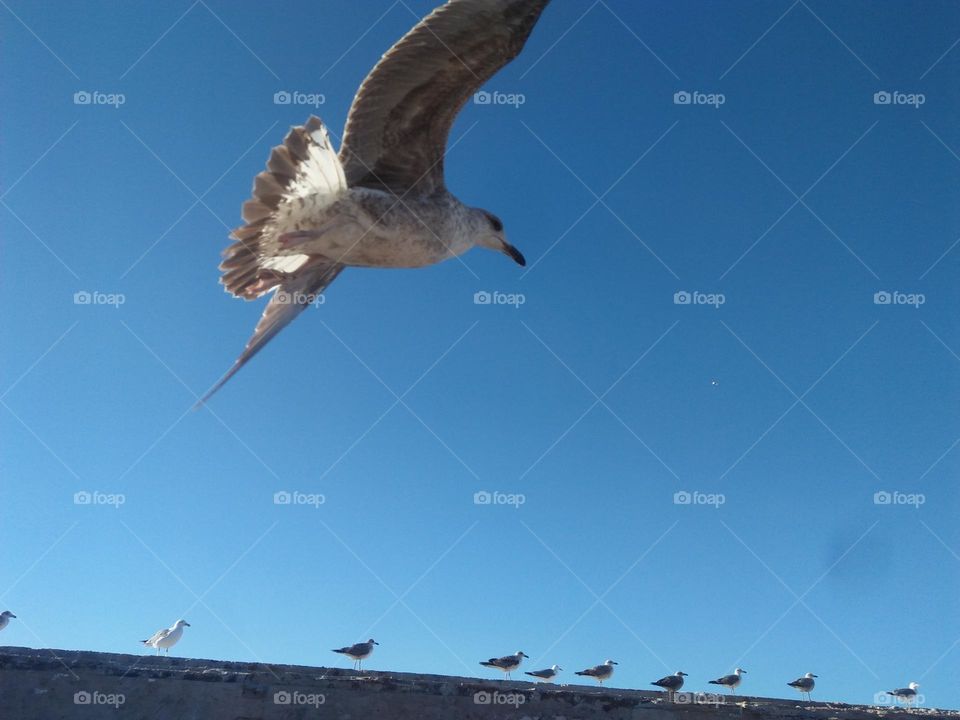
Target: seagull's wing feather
(292, 298)
(397, 128)
(157, 636)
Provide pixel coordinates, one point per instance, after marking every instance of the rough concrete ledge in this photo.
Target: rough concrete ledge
(60, 684)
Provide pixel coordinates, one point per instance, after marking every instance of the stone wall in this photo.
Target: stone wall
(58, 684)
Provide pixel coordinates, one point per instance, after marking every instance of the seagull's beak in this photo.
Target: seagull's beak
(375, 642)
(187, 624)
(517, 256)
(12, 615)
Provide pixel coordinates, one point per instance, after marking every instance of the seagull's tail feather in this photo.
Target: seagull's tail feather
(291, 298)
(715, 682)
(305, 165)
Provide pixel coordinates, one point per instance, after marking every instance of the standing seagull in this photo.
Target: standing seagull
(359, 652)
(5, 618)
(382, 202)
(671, 683)
(600, 672)
(804, 684)
(167, 638)
(730, 681)
(545, 675)
(908, 694)
(507, 663)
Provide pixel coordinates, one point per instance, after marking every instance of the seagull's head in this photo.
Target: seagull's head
(555, 668)
(182, 623)
(7, 614)
(913, 685)
(740, 671)
(372, 641)
(681, 673)
(811, 675)
(611, 662)
(521, 653)
(490, 235)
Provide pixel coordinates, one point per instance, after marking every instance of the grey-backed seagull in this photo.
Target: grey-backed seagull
(545, 675)
(358, 652)
(599, 672)
(5, 618)
(907, 694)
(804, 684)
(382, 202)
(507, 663)
(166, 638)
(671, 683)
(730, 681)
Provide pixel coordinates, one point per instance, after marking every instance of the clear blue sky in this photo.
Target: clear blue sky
(796, 400)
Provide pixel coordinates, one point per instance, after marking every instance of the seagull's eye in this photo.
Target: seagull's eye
(495, 223)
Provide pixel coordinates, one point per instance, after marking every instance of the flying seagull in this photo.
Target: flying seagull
(907, 694)
(166, 638)
(804, 684)
(5, 618)
(545, 675)
(382, 202)
(507, 663)
(671, 683)
(358, 652)
(600, 672)
(730, 681)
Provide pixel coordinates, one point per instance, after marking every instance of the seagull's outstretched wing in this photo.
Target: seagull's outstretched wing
(396, 132)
